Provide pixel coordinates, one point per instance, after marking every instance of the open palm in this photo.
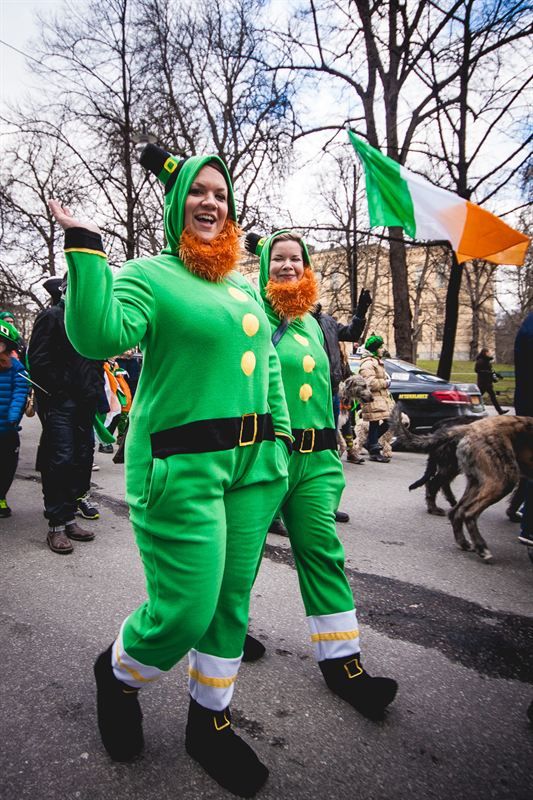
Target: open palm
(64, 217)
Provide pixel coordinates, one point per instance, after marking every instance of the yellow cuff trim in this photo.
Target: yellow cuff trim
(85, 250)
(334, 636)
(217, 683)
(133, 672)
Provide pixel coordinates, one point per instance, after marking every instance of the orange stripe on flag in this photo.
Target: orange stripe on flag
(488, 237)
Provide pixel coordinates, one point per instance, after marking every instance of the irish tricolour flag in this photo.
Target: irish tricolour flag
(399, 197)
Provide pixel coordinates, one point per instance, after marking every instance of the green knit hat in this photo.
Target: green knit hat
(374, 342)
(6, 314)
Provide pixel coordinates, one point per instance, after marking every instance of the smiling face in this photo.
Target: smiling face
(286, 262)
(206, 206)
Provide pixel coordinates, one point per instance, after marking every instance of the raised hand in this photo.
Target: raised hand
(365, 300)
(64, 217)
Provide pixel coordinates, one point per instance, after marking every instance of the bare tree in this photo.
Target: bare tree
(34, 169)
(214, 94)
(390, 58)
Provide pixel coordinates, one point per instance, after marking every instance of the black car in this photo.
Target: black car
(425, 398)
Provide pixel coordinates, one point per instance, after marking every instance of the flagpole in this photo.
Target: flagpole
(451, 318)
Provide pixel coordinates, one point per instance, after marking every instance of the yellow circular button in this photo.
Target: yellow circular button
(237, 294)
(305, 392)
(250, 324)
(248, 362)
(308, 363)
(301, 339)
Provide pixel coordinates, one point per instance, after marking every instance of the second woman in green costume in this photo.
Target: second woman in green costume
(316, 480)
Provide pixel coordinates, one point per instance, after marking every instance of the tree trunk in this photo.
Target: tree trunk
(450, 322)
(403, 334)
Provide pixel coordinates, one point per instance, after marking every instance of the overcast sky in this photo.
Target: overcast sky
(17, 26)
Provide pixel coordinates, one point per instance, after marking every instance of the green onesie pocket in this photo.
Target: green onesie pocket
(158, 481)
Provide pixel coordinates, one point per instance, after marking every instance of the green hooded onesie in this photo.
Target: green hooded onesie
(316, 478)
(208, 445)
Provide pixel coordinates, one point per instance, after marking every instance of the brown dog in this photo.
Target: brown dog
(492, 453)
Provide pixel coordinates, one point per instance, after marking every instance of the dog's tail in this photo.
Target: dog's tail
(429, 473)
(406, 437)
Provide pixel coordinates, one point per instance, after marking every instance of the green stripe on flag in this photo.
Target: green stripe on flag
(389, 199)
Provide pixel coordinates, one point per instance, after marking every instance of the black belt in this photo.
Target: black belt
(310, 440)
(211, 435)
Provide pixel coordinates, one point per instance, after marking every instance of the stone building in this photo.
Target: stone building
(428, 269)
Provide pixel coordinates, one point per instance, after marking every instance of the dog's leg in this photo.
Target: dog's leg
(432, 488)
(341, 443)
(447, 491)
(455, 515)
(485, 496)
(516, 500)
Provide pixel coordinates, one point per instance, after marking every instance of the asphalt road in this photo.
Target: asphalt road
(456, 633)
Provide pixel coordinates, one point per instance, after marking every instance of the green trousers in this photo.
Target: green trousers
(316, 482)
(200, 535)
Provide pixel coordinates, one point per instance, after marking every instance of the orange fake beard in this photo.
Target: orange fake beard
(215, 259)
(293, 299)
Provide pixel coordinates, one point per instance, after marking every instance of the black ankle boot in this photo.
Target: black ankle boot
(346, 677)
(253, 649)
(210, 740)
(119, 712)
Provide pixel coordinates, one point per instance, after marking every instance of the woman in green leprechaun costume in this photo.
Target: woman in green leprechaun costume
(316, 480)
(206, 456)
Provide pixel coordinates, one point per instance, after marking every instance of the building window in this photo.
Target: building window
(439, 331)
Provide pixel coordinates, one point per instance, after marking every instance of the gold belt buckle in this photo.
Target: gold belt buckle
(310, 449)
(252, 440)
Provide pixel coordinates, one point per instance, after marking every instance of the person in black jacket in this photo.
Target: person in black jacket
(335, 332)
(523, 405)
(67, 389)
(485, 377)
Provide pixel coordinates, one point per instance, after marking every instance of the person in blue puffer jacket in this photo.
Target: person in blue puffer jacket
(14, 387)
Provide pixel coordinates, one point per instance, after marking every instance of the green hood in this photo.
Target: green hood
(263, 248)
(177, 177)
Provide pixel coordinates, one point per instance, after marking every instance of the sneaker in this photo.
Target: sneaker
(341, 516)
(526, 538)
(379, 457)
(105, 448)
(95, 468)
(5, 511)
(87, 508)
(352, 458)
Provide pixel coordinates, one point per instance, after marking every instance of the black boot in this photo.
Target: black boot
(119, 712)
(210, 740)
(346, 677)
(253, 649)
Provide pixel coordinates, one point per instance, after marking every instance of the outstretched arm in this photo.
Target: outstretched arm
(102, 316)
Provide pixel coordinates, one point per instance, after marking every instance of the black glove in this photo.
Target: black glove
(363, 304)
(251, 242)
